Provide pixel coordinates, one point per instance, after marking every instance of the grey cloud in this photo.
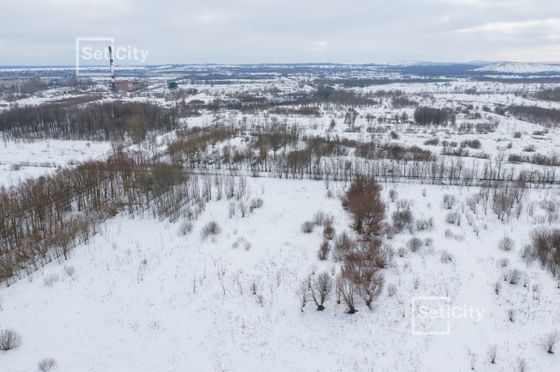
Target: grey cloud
(247, 31)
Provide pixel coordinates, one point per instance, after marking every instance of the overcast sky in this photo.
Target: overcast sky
(252, 31)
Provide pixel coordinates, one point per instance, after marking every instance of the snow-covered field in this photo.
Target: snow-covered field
(21, 160)
(141, 296)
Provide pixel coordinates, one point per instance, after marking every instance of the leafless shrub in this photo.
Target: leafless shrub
(329, 220)
(328, 233)
(51, 279)
(513, 276)
(453, 218)
(301, 294)
(511, 315)
(185, 228)
(241, 242)
(389, 231)
(503, 262)
(428, 242)
(546, 248)
(451, 235)
(404, 204)
(550, 340)
(384, 256)
(425, 224)
(307, 227)
(473, 144)
(432, 141)
(254, 288)
(391, 290)
(521, 365)
(506, 244)
(323, 219)
(472, 358)
(472, 201)
(446, 257)
(9, 339)
(402, 219)
(414, 244)
(46, 364)
(497, 287)
(401, 252)
(243, 208)
(529, 148)
(324, 250)
(393, 195)
(70, 271)
(232, 209)
(492, 352)
(319, 218)
(342, 245)
(528, 254)
(449, 201)
(255, 203)
(320, 289)
(211, 229)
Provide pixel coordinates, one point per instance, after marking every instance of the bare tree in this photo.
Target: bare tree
(363, 200)
(347, 291)
(9, 339)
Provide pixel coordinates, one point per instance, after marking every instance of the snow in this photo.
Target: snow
(144, 298)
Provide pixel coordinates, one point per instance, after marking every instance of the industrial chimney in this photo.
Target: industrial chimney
(113, 85)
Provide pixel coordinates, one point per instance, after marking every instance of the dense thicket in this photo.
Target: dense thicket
(374, 150)
(538, 115)
(96, 121)
(190, 147)
(540, 159)
(546, 248)
(552, 94)
(433, 116)
(44, 218)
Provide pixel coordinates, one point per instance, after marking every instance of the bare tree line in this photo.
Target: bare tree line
(330, 159)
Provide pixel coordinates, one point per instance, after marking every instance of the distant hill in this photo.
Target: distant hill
(521, 68)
